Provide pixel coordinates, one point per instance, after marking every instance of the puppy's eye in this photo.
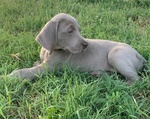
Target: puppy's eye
(70, 30)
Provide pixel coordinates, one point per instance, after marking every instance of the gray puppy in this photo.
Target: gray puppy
(63, 44)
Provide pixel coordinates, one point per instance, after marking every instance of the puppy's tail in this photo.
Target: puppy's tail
(142, 62)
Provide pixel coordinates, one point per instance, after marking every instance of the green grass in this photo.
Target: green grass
(70, 94)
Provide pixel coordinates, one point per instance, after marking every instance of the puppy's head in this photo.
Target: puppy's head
(62, 32)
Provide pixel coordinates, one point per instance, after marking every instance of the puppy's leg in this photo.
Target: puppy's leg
(124, 60)
(127, 70)
(28, 73)
(43, 55)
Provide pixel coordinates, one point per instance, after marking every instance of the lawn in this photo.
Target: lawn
(69, 94)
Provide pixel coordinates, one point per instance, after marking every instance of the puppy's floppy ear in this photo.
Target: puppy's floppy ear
(47, 37)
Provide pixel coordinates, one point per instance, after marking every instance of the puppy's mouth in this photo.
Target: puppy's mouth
(84, 49)
(75, 51)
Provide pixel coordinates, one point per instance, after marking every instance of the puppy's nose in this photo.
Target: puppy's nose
(84, 44)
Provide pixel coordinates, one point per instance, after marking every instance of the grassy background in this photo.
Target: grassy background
(69, 94)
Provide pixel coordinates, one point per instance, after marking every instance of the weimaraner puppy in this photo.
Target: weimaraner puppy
(63, 44)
